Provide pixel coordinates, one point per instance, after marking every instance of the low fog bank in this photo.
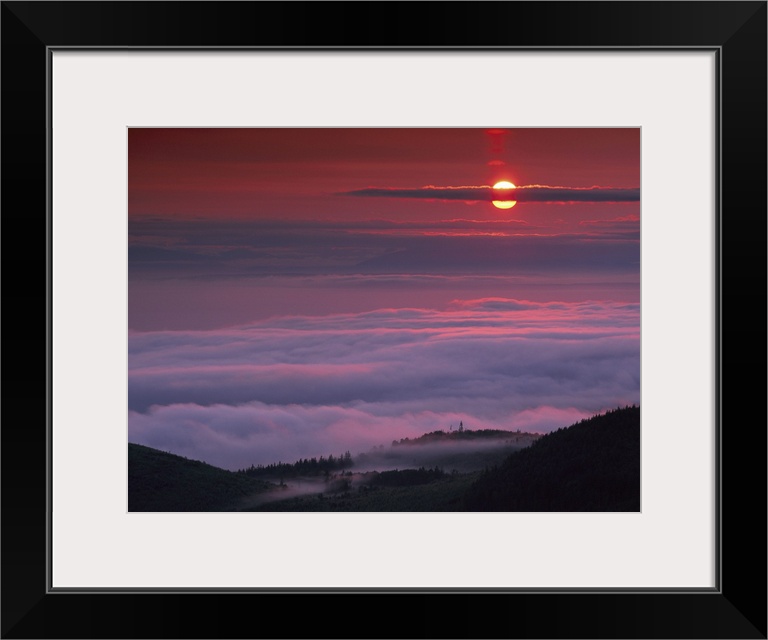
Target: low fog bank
(449, 457)
(461, 456)
(295, 488)
(298, 487)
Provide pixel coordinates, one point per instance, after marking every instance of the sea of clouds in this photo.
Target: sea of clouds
(299, 386)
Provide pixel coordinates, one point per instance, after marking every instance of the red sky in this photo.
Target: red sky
(274, 313)
(297, 173)
(254, 206)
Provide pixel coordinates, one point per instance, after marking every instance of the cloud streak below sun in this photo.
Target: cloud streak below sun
(527, 193)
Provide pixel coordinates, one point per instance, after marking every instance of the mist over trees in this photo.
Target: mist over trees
(302, 467)
(593, 465)
(464, 434)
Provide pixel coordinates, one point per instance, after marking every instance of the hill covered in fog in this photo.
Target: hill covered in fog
(593, 465)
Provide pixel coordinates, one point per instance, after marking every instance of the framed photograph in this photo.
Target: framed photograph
(391, 256)
(303, 341)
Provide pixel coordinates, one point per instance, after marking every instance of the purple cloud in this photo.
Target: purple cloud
(309, 385)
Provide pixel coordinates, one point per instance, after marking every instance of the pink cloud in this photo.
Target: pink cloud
(285, 385)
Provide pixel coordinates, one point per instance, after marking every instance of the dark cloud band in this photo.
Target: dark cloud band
(535, 193)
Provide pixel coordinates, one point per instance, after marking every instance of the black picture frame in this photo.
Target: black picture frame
(736, 608)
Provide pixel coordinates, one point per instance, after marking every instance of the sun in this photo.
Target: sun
(503, 204)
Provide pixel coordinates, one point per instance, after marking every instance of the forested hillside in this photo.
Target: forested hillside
(593, 465)
(160, 481)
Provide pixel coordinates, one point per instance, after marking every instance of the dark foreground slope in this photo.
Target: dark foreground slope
(593, 465)
(159, 481)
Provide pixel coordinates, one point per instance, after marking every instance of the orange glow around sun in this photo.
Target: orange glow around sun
(503, 204)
